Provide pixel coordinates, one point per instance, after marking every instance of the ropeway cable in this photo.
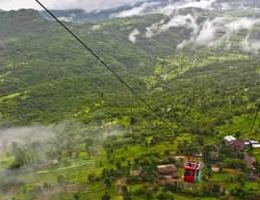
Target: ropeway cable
(255, 118)
(90, 50)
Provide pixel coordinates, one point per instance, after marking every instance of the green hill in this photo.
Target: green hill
(47, 77)
(99, 136)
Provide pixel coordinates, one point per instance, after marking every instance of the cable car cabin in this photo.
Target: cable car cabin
(192, 172)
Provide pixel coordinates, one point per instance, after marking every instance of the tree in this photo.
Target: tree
(235, 163)
(165, 196)
(106, 197)
(108, 182)
(76, 196)
(21, 158)
(92, 177)
(210, 154)
(208, 172)
(239, 193)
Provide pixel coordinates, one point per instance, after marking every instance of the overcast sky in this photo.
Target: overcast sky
(64, 4)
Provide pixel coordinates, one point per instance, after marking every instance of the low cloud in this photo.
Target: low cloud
(133, 34)
(136, 10)
(154, 29)
(219, 31)
(66, 19)
(202, 4)
(250, 46)
(187, 21)
(25, 135)
(88, 5)
(211, 32)
(165, 8)
(27, 150)
(40, 144)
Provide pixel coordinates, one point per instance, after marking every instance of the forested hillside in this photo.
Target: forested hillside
(85, 136)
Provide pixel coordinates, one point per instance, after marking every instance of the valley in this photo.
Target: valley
(70, 130)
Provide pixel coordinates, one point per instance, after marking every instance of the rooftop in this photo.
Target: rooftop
(167, 169)
(229, 138)
(256, 145)
(238, 145)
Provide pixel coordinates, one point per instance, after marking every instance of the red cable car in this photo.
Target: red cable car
(192, 171)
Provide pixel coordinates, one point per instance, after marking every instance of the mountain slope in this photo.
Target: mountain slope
(70, 130)
(47, 77)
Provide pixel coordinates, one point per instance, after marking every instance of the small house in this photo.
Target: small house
(215, 168)
(252, 143)
(167, 174)
(255, 146)
(237, 145)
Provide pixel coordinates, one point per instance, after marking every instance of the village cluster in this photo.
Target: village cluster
(169, 174)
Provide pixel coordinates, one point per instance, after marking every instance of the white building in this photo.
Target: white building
(230, 138)
(255, 146)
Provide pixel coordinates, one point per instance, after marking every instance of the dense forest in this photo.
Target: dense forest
(70, 130)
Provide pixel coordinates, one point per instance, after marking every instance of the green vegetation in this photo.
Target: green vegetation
(106, 144)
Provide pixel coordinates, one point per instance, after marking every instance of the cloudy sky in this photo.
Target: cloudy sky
(64, 4)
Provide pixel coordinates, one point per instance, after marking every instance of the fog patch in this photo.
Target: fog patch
(142, 9)
(221, 31)
(37, 146)
(88, 5)
(24, 135)
(205, 29)
(133, 34)
(250, 46)
(96, 27)
(165, 8)
(187, 21)
(202, 4)
(1, 43)
(211, 32)
(153, 30)
(66, 19)
(28, 151)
